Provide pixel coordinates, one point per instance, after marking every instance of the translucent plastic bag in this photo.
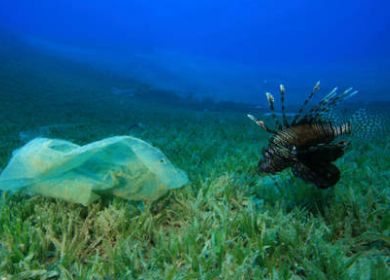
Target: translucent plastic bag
(123, 166)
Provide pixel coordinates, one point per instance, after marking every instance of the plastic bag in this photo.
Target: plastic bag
(122, 166)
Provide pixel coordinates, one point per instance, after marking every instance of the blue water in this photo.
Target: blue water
(224, 50)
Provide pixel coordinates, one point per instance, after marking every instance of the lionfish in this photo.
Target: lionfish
(307, 144)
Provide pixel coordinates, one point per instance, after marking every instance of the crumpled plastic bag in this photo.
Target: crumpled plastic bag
(122, 166)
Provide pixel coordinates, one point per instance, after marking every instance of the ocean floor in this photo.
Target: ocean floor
(228, 223)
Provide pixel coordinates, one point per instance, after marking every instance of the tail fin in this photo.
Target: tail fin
(361, 124)
(367, 126)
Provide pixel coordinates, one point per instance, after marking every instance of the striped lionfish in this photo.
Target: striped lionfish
(307, 143)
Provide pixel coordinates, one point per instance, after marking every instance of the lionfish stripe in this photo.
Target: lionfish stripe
(338, 130)
(335, 100)
(324, 106)
(282, 91)
(316, 88)
(349, 94)
(271, 101)
(252, 118)
(346, 92)
(325, 100)
(329, 102)
(332, 93)
(260, 123)
(345, 128)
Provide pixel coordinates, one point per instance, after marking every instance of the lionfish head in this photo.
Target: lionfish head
(307, 143)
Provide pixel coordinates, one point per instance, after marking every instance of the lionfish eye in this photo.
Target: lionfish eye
(294, 149)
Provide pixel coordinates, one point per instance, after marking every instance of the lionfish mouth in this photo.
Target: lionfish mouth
(307, 143)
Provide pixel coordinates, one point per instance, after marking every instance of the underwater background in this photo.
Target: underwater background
(183, 75)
